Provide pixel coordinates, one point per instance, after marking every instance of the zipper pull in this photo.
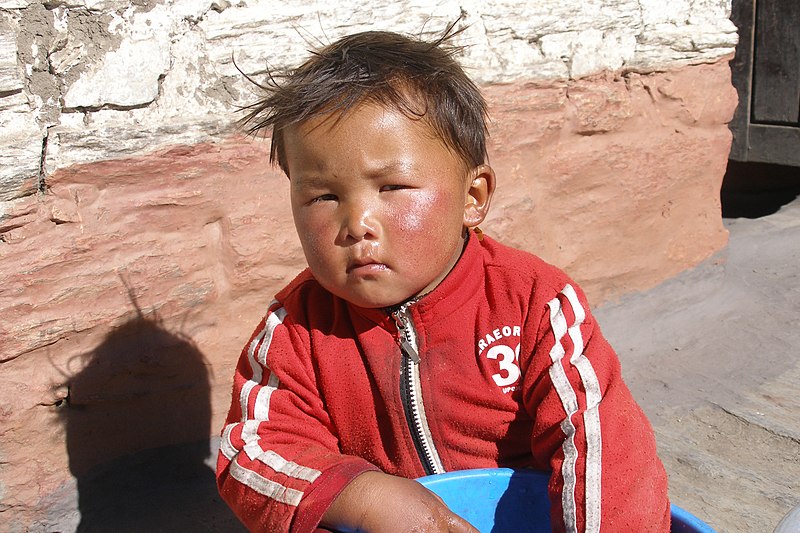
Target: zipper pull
(405, 345)
(409, 350)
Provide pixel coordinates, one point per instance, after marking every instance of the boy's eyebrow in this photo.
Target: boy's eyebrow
(316, 179)
(389, 167)
(310, 180)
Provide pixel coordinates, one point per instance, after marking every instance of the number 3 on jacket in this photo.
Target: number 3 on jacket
(508, 360)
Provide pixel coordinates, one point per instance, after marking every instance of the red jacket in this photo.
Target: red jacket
(500, 365)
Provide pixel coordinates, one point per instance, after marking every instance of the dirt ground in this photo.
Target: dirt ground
(712, 357)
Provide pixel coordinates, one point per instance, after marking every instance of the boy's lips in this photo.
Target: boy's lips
(365, 265)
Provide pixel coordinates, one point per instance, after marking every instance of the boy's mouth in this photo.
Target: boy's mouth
(365, 265)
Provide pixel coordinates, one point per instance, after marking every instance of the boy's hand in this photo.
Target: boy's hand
(375, 502)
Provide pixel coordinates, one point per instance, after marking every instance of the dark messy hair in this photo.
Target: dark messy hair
(420, 78)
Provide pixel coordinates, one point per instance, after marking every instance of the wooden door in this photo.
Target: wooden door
(766, 73)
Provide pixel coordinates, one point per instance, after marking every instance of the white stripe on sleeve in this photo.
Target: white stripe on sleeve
(258, 364)
(250, 431)
(264, 486)
(274, 320)
(591, 416)
(226, 446)
(255, 370)
(558, 323)
(281, 465)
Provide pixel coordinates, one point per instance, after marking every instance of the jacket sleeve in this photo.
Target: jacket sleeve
(588, 429)
(279, 467)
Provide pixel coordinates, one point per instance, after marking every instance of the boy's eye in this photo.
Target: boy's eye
(324, 198)
(394, 187)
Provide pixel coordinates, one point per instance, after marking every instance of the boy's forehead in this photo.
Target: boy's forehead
(357, 122)
(368, 113)
(319, 143)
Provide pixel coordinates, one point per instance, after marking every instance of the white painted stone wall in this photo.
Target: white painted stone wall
(88, 80)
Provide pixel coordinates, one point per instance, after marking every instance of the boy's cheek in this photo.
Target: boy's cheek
(313, 239)
(432, 212)
(314, 244)
(417, 215)
(313, 226)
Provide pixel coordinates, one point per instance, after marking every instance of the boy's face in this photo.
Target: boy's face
(379, 203)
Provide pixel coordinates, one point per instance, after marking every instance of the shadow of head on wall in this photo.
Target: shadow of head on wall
(137, 422)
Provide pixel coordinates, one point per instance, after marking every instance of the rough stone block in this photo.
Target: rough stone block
(15, 4)
(11, 79)
(21, 143)
(126, 77)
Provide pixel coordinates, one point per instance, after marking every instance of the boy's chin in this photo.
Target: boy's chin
(378, 301)
(375, 294)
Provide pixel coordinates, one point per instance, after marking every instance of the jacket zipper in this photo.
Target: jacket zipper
(411, 393)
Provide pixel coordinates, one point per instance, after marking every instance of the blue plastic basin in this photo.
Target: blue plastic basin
(502, 500)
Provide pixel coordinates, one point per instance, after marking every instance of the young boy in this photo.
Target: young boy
(413, 344)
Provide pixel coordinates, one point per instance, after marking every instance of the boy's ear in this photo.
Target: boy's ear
(479, 195)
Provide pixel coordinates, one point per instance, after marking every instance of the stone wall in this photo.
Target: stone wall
(129, 205)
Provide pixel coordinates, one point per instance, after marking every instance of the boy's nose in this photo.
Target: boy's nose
(359, 223)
